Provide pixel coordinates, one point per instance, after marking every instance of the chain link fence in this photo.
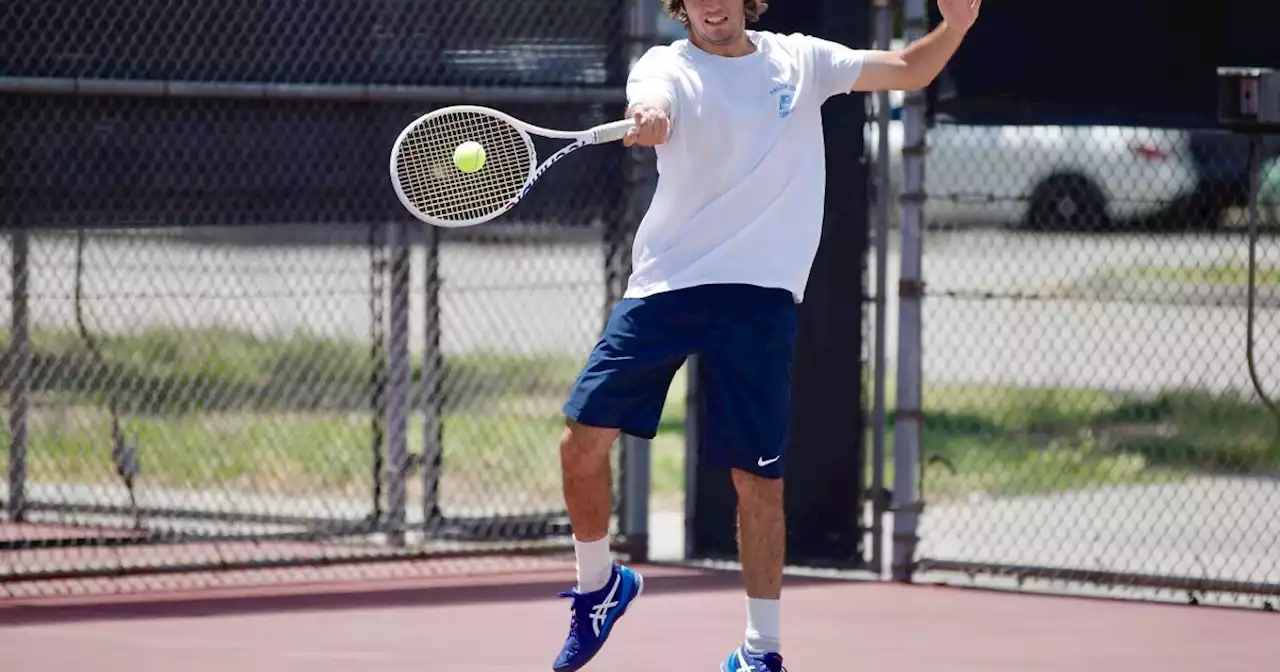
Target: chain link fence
(227, 351)
(1097, 371)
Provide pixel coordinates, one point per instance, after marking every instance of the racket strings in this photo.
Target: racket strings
(436, 187)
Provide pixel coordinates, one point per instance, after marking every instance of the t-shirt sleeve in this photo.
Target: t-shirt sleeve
(653, 78)
(836, 67)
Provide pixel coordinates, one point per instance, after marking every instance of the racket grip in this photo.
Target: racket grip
(613, 131)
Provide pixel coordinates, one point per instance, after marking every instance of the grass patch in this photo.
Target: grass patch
(1004, 441)
(1216, 274)
(1197, 431)
(492, 461)
(225, 409)
(220, 409)
(170, 371)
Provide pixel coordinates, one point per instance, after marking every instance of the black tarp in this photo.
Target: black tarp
(1127, 62)
(108, 161)
(824, 472)
(437, 42)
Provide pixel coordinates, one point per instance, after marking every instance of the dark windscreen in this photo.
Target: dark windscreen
(86, 160)
(1114, 61)
(437, 42)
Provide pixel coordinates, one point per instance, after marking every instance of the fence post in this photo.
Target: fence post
(398, 379)
(907, 426)
(432, 384)
(636, 483)
(692, 409)
(884, 34)
(19, 375)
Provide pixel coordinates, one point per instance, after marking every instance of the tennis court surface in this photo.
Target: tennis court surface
(687, 620)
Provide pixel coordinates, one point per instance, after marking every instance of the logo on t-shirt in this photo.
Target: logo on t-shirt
(786, 97)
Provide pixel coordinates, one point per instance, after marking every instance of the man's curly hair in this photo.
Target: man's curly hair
(675, 9)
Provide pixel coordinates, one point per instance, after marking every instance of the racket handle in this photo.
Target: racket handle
(613, 131)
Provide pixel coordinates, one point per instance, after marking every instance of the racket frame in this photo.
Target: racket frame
(596, 135)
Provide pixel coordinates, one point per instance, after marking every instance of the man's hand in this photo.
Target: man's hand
(651, 127)
(960, 14)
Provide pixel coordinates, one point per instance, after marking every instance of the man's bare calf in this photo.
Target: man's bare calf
(588, 496)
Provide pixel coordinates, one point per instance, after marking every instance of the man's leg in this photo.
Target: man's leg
(762, 541)
(588, 496)
(745, 377)
(621, 388)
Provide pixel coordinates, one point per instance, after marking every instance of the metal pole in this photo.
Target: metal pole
(691, 451)
(636, 486)
(906, 437)
(453, 95)
(378, 365)
(19, 378)
(884, 34)
(432, 383)
(1255, 215)
(636, 482)
(398, 378)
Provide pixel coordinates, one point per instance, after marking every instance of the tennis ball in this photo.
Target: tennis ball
(469, 157)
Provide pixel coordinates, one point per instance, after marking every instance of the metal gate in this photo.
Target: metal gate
(229, 348)
(1084, 356)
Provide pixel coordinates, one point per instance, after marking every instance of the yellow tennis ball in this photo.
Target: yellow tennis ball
(469, 157)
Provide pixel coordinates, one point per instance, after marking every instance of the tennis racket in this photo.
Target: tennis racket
(437, 192)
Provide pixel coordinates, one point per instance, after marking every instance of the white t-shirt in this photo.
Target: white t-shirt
(742, 175)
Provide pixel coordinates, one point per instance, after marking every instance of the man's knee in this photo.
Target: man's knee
(584, 444)
(757, 491)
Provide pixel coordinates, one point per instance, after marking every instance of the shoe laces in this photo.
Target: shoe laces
(573, 608)
(771, 662)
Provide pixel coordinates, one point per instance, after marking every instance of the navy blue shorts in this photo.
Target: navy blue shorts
(744, 337)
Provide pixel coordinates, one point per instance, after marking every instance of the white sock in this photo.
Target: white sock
(595, 563)
(764, 622)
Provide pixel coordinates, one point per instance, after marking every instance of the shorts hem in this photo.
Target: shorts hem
(604, 421)
(771, 471)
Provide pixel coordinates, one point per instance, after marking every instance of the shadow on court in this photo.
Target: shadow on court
(336, 596)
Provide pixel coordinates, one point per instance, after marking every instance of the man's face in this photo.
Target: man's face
(716, 22)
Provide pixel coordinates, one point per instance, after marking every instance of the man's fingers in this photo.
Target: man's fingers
(655, 133)
(650, 128)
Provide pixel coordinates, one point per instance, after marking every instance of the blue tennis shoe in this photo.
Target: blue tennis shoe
(593, 616)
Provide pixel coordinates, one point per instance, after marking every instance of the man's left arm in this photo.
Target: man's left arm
(910, 68)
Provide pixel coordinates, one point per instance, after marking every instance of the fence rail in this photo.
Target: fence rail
(452, 95)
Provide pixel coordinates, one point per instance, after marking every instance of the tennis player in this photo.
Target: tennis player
(720, 261)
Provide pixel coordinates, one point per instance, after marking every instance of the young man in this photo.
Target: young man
(720, 261)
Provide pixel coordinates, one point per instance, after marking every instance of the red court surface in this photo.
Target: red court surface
(687, 620)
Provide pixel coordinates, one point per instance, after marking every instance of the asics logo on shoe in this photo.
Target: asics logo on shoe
(600, 612)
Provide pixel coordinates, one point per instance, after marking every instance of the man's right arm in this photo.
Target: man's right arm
(651, 101)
